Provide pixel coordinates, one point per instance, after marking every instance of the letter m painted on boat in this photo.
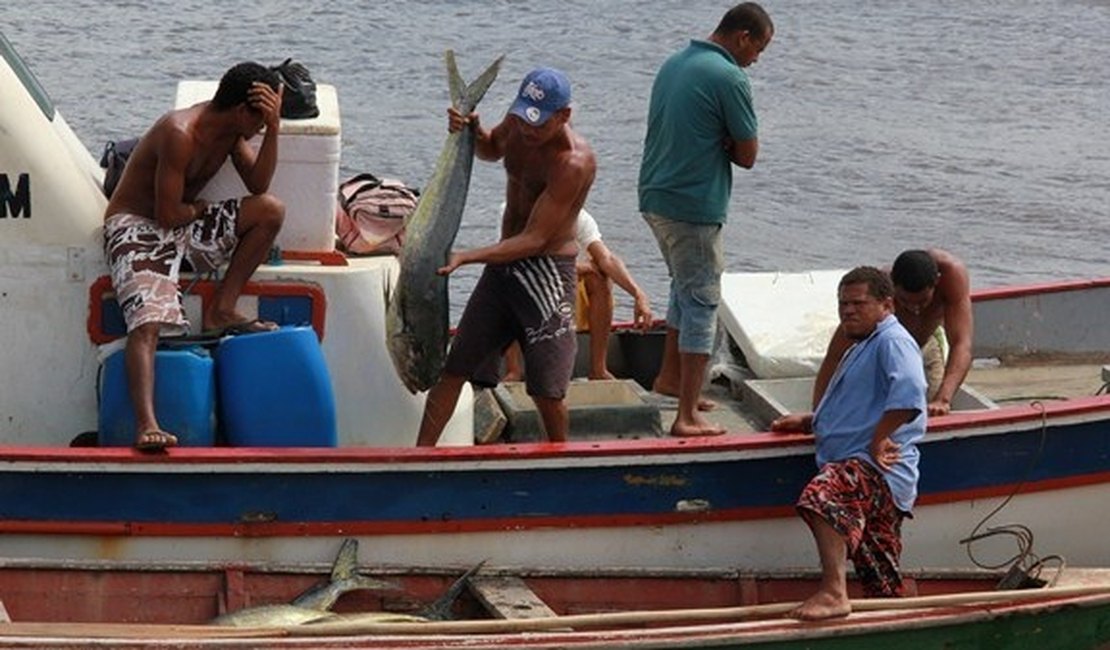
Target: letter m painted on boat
(18, 203)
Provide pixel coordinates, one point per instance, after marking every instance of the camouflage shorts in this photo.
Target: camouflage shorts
(145, 260)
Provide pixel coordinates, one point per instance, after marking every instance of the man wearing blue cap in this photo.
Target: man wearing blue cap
(527, 290)
(701, 121)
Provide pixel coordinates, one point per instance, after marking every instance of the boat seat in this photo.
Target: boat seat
(773, 398)
(508, 597)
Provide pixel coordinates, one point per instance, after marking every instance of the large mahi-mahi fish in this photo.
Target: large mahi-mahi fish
(416, 322)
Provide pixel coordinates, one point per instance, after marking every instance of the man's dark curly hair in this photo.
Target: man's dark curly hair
(914, 271)
(236, 83)
(878, 283)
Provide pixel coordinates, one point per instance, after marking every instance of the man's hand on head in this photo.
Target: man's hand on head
(267, 101)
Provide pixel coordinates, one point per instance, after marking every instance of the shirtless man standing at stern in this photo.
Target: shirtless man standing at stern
(154, 220)
(526, 292)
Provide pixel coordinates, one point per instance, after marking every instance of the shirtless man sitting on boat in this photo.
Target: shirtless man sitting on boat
(154, 220)
(932, 299)
(526, 291)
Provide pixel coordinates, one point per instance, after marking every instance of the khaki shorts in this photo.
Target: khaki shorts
(934, 354)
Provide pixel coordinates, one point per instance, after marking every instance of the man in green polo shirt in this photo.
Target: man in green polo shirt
(701, 121)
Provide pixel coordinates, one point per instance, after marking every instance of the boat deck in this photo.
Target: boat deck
(745, 405)
(1002, 383)
(1026, 382)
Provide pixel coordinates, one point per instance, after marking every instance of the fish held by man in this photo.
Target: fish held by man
(417, 318)
(315, 603)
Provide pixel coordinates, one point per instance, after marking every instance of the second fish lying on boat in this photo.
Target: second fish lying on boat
(314, 605)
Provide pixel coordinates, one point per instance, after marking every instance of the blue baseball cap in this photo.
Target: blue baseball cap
(543, 92)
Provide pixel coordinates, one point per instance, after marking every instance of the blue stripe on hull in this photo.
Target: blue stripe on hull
(971, 463)
(418, 497)
(398, 496)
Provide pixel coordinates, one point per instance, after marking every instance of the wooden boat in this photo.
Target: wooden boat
(1038, 440)
(112, 604)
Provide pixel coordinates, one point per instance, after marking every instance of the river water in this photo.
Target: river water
(976, 126)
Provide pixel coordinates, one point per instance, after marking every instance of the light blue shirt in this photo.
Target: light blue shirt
(879, 374)
(700, 98)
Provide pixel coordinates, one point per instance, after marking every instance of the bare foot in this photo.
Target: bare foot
(605, 374)
(698, 427)
(154, 440)
(822, 606)
(236, 323)
(513, 375)
(672, 391)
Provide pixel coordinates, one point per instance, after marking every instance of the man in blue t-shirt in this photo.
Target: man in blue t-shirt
(866, 425)
(700, 122)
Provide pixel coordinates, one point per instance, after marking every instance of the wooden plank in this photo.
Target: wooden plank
(489, 419)
(509, 598)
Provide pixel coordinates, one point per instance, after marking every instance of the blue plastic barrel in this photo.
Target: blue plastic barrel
(275, 390)
(184, 398)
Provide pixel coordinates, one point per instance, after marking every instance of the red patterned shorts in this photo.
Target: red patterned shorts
(853, 498)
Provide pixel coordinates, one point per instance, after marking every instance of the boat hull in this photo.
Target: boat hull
(83, 605)
(650, 503)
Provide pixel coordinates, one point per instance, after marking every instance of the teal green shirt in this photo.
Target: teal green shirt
(700, 98)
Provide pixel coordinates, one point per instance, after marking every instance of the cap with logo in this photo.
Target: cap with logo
(542, 93)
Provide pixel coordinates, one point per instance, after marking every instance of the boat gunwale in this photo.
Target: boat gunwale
(964, 423)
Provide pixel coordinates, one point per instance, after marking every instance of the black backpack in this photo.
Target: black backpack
(113, 160)
(298, 100)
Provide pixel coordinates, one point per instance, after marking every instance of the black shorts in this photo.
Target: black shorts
(530, 301)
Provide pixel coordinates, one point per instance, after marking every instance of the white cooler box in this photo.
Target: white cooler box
(307, 174)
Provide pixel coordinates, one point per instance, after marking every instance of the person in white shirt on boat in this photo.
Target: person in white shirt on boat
(598, 268)
(154, 220)
(866, 426)
(932, 299)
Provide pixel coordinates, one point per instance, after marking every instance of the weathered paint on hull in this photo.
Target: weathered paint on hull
(717, 502)
(1079, 623)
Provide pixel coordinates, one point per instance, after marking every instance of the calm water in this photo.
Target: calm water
(976, 126)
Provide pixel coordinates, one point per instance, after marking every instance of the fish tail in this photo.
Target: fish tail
(454, 79)
(466, 97)
(346, 561)
(440, 610)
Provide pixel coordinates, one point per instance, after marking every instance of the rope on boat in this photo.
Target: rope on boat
(1024, 567)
